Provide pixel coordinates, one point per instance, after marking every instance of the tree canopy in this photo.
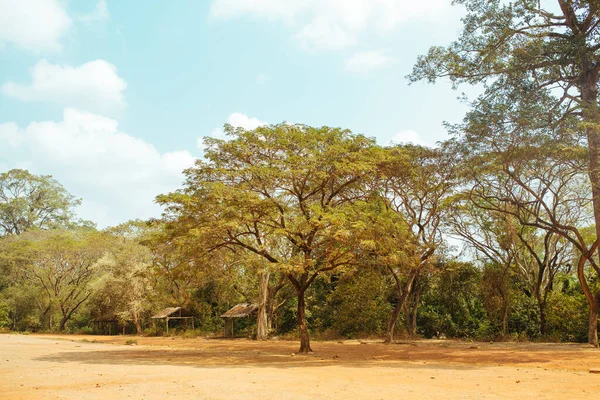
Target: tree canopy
(30, 201)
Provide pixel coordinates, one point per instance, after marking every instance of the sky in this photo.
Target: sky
(113, 98)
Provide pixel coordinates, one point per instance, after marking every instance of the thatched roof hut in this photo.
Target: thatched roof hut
(170, 313)
(238, 311)
(241, 310)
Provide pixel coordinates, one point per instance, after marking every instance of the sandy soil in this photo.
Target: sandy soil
(100, 367)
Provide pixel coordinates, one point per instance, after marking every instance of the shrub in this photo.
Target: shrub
(359, 305)
(5, 320)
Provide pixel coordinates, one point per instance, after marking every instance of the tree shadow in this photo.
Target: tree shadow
(281, 355)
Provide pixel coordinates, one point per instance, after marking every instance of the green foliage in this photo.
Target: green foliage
(277, 196)
(351, 228)
(30, 201)
(124, 282)
(5, 320)
(536, 128)
(153, 331)
(452, 305)
(567, 311)
(58, 265)
(22, 306)
(497, 295)
(359, 306)
(524, 315)
(514, 39)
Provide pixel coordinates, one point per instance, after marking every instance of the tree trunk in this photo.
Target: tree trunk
(262, 328)
(402, 295)
(505, 320)
(407, 316)
(46, 311)
(542, 311)
(415, 310)
(593, 323)
(272, 306)
(591, 116)
(136, 322)
(270, 310)
(593, 301)
(303, 328)
(63, 323)
(389, 335)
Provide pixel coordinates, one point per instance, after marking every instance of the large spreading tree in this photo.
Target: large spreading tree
(283, 193)
(527, 53)
(416, 183)
(60, 264)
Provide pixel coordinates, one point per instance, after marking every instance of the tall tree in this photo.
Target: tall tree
(124, 274)
(532, 254)
(282, 193)
(522, 165)
(61, 263)
(487, 234)
(30, 201)
(534, 165)
(540, 256)
(551, 49)
(415, 183)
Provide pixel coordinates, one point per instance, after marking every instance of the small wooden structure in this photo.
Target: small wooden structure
(239, 311)
(170, 313)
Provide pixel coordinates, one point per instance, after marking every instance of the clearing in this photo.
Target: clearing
(103, 367)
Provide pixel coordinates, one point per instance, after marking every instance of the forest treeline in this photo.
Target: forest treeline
(326, 231)
(490, 234)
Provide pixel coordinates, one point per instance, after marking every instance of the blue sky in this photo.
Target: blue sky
(111, 98)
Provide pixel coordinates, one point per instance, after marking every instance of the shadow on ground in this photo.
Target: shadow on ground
(205, 354)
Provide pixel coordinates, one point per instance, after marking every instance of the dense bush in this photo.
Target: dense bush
(452, 304)
(359, 305)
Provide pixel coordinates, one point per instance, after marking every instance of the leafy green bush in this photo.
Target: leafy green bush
(5, 320)
(452, 305)
(86, 330)
(153, 331)
(567, 317)
(524, 316)
(359, 306)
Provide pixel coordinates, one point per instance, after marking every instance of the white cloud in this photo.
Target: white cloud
(117, 175)
(40, 25)
(99, 13)
(365, 61)
(94, 86)
(408, 137)
(237, 120)
(34, 25)
(327, 24)
(322, 33)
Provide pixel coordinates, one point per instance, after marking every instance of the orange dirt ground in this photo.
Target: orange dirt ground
(103, 367)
